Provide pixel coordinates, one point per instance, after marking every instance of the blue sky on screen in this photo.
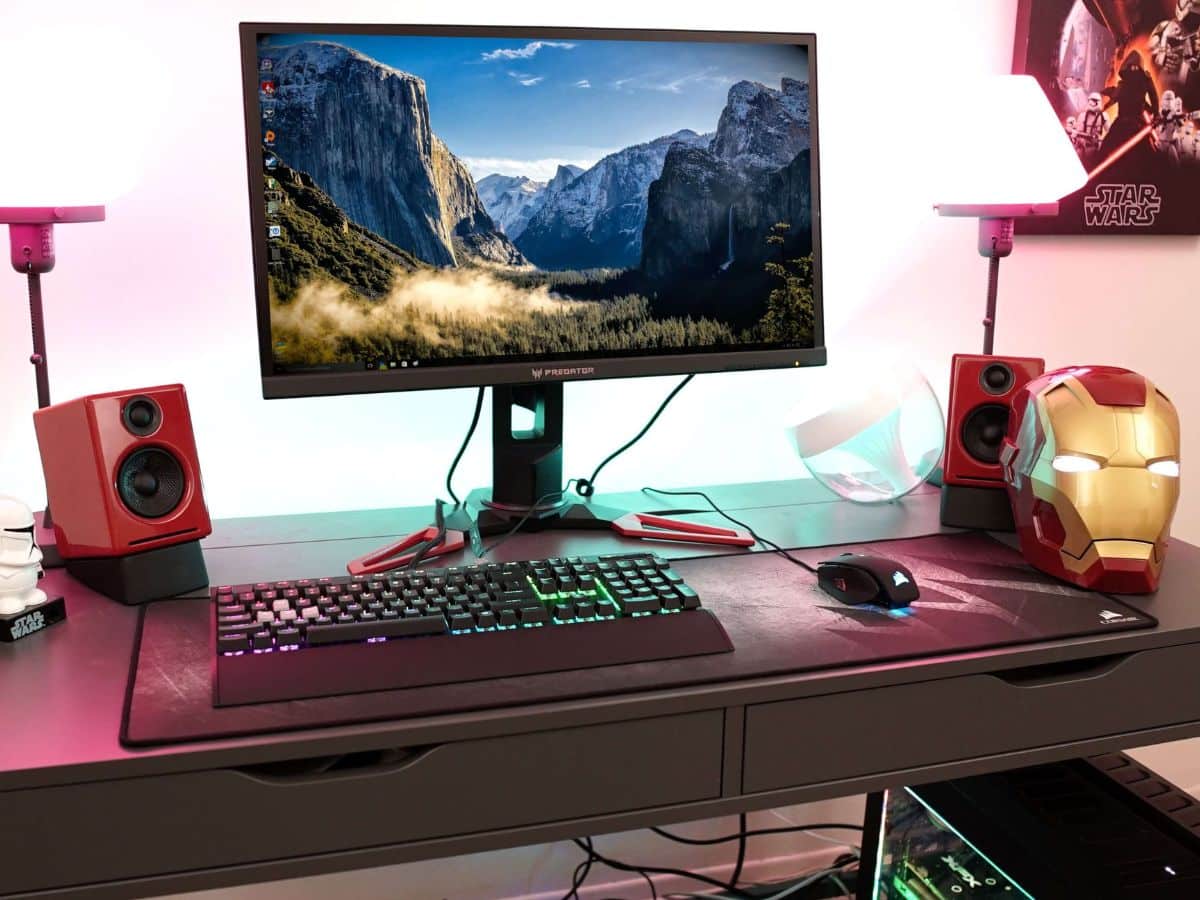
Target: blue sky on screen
(522, 106)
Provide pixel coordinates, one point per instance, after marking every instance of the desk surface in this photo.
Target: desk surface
(63, 690)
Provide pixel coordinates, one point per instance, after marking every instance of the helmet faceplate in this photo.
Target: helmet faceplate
(1091, 460)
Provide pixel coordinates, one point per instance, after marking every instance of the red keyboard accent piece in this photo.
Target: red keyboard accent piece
(656, 528)
(394, 556)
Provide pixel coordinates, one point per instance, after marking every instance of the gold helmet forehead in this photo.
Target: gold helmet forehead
(1075, 423)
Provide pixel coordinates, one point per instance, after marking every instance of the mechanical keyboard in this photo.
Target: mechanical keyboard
(318, 636)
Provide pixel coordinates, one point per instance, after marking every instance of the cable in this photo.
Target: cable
(762, 540)
(584, 868)
(579, 876)
(525, 518)
(658, 870)
(585, 487)
(424, 547)
(790, 829)
(463, 449)
(743, 840)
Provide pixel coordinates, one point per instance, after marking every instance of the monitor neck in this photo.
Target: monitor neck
(527, 467)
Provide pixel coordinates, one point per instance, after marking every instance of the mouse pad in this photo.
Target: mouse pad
(976, 593)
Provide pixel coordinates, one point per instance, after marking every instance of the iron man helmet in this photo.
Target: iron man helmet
(1091, 461)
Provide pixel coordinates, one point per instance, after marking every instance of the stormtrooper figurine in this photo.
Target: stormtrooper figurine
(20, 559)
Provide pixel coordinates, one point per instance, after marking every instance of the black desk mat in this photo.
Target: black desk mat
(976, 593)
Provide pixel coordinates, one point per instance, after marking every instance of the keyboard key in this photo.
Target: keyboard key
(486, 620)
(585, 609)
(691, 600)
(461, 622)
(641, 604)
(532, 615)
(244, 628)
(564, 612)
(360, 631)
(287, 637)
(507, 618)
(261, 640)
(606, 608)
(231, 643)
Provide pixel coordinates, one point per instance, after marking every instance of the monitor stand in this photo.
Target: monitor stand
(527, 492)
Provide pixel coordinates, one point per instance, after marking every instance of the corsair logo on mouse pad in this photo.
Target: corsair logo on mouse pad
(899, 578)
(1108, 617)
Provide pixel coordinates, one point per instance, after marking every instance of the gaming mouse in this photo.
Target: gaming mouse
(858, 578)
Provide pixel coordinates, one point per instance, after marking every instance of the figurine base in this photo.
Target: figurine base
(142, 577)
(979, 508)
(32, 619)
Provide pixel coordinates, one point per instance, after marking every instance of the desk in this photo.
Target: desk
(80, 815)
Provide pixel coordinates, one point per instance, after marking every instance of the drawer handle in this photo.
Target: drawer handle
(342, 765)
(1071, 670)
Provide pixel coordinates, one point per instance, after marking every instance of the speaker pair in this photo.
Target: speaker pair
(123, 484)
(981, 392)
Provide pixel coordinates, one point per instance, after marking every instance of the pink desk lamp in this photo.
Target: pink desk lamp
(1020, 163)
(31, 241)
(96, 100)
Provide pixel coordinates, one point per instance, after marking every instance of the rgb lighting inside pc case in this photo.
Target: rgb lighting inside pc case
(921, 856)
(459, 206)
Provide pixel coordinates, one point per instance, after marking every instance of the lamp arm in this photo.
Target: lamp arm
(37, 324)
(995, 241)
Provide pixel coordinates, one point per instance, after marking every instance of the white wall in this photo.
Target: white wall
(163, 290)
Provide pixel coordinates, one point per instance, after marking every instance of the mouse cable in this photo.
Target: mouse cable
(580, 875)
(585, 487)
(758, 537)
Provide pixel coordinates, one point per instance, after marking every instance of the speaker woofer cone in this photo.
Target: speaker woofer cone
(983, 432)
(151, 483)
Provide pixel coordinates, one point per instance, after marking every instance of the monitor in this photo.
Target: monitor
(464, 206)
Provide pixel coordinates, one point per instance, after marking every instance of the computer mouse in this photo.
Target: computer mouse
(858, 578)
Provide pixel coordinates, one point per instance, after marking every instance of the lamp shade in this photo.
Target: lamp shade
(998, 143)
(77, 98)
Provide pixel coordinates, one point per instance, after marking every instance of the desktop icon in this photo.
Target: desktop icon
(272, 207)
(274, 231)
(275, 255)
(269, 137)
(267, 86)
(272, 184)
(268, 110)
(266, 64)
(270, 161)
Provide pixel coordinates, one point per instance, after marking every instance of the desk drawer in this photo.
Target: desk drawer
(791, 743)
(228, 816)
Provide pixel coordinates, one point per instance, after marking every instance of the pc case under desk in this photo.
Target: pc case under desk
(739, 744)
(1104, 828)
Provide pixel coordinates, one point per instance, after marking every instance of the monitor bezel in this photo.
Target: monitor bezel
(277, 386)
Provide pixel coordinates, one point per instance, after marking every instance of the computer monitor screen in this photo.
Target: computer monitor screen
(448, 206)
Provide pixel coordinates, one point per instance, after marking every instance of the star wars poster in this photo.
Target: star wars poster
(1124, 78)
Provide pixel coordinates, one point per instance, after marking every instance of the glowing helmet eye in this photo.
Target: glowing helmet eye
(1067, 462)
(1167, 467)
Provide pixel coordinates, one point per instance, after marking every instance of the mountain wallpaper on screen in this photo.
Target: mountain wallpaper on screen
(391, 249)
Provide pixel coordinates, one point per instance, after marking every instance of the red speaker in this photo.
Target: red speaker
(123, 486)
(981, 391)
